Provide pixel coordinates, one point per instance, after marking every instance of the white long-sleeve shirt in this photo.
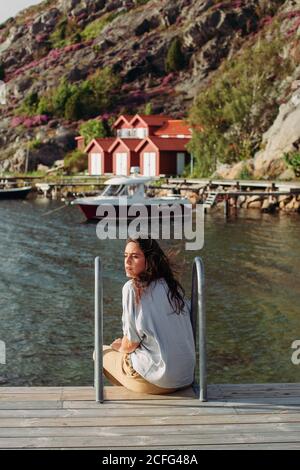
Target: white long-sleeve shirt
(166, 354)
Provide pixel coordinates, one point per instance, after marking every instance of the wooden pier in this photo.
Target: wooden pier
(256, 416)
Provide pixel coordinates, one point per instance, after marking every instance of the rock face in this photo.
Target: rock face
(282, 137)
(134, 41)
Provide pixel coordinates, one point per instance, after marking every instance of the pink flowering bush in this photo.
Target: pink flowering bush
(38, 120)
(50, 60)
(294, 28)
(167, 79)
(267, 20)
(234, 4)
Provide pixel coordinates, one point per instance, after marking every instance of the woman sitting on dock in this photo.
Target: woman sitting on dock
(157, 352)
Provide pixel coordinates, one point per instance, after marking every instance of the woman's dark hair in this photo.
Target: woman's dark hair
(158, 265)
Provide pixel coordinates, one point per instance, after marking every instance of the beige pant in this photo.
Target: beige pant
(118, 369)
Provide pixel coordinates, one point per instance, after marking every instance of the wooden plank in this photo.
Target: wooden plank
(29, 397)
(30, 405)
(25, 390)
(104, 421)
(238, 446)
(121, 393)
(260, 386)
(277, 401)
(79, 404)
(114, 411)
(260, 430)
(144, 441)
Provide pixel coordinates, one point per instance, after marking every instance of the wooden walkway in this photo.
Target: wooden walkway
(261, 416)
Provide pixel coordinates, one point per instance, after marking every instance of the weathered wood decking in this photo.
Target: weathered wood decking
(261, 416)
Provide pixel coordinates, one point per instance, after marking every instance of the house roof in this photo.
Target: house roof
(165, 144)
(124, 117)
(103, 143)
(131, 144)
(174, 127)
(151, 120)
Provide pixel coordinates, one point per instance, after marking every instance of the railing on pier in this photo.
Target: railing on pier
(98, 374)
(197, 312)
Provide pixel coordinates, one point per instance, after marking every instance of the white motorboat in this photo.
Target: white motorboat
(130, 191)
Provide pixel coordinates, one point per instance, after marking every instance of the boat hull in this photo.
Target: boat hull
(90, 212)
(14, 193)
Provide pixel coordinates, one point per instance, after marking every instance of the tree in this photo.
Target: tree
(148, 109)
(230, 116)
(175, 59)
(95, 129)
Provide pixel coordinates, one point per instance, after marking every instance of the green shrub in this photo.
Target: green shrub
(292, 159)
(29, 105)
(93, 29)
(245, 174)
(238, 106)
(140, 2)
(104, 84)
(34, 144)
(95, 129)
(66, 32)
(76, 161)
(44, 106)
(85, 100)
(175, 59)
(148, 109)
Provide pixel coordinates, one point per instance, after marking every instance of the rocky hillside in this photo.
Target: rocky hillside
(66, 61)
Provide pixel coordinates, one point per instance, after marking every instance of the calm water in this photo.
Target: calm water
(47, 255)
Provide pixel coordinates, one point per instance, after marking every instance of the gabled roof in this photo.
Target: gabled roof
(124, 117)
(131, 144)
(174, 127)
(150, 120)
(103, 143)
(165, 144)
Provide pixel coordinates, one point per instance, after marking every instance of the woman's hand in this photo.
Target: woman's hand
(116, 344)
(123, 345)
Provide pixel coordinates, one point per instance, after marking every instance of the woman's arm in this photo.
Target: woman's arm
(124, 345)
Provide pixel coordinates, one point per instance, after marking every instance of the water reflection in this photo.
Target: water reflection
(252, 268)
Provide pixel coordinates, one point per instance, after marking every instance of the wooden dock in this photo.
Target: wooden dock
(260, 416)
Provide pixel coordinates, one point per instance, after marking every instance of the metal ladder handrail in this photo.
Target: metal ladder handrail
(199, 307)
(98, 366)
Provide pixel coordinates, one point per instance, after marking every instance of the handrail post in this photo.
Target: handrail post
(199, 307)
(98, 366)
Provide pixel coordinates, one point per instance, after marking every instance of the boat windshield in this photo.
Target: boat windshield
(121, 190)
(113, 190)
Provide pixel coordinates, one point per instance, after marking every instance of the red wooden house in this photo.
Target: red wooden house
(157, 144)
(99, 157)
